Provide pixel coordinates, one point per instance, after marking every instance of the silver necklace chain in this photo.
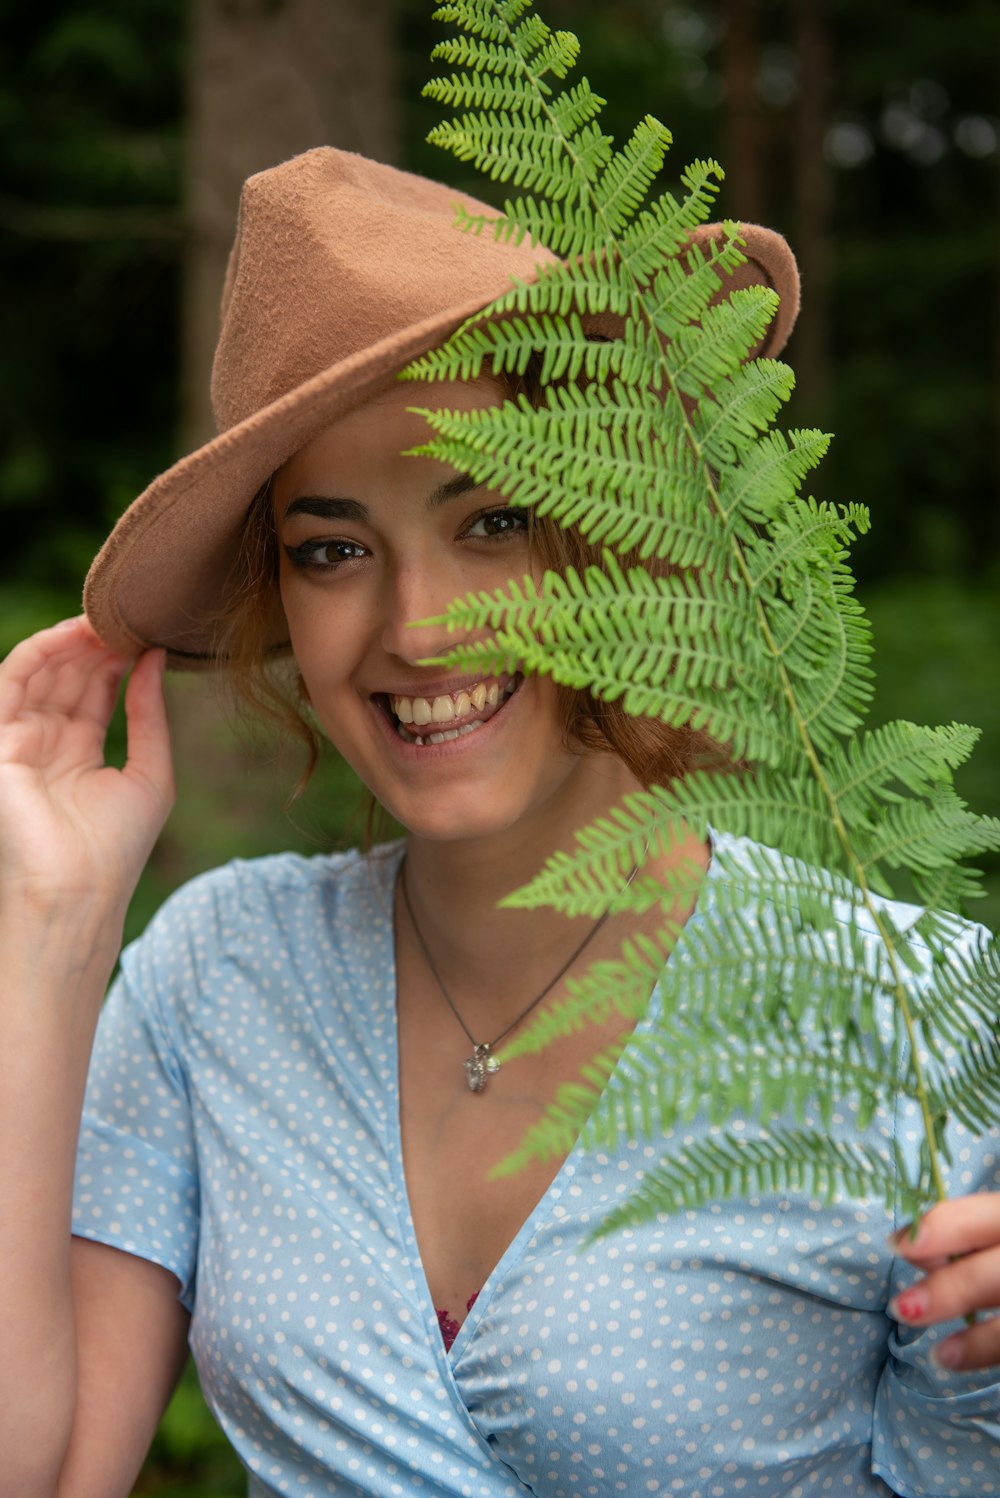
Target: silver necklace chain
(482, 1063)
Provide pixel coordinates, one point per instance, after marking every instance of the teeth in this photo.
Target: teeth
(437, 738)
(445, 709)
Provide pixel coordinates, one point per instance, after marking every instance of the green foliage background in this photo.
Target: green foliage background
(91, 133)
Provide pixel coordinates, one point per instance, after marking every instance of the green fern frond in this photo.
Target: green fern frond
(658, 442)
(922, 835)
(591, 462)
(706, 355)
(662, 229)
(749, 731)
(693, 620)
(731, 1165)
(628, 673)
(556, 1132)
(671, 1074)
(951, 886)
(971, 1090)
(898, 755)
(823, 644)
(960, 1003)
(589, 880)
(626, 180)
(510, 150)
(479, 18)
(523, 126)
(769, 474)
(471, 91)
(497, 22)
(744, 406)
(479, 57)
(644, 827)
(809, 536)
(620, 985)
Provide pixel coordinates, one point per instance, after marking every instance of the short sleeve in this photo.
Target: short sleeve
(136, 1174)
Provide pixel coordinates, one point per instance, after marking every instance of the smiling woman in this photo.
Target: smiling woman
(282, 1150)
(373, 540)
(654, 752)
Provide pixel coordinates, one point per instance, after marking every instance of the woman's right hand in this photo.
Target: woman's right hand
(73, 830)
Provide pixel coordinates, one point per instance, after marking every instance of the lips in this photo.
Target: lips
(449, 715)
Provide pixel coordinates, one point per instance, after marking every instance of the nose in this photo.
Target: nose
(413, 595)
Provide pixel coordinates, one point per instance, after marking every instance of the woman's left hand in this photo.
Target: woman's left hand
(957, 1245)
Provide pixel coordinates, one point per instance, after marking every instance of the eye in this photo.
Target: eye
(324, 556)
(493, 525)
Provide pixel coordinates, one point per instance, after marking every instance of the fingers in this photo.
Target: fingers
(979, 1347)
(953, 1227)
(55, 670)
(149, 756)
(970, 1283)
(957, 1245)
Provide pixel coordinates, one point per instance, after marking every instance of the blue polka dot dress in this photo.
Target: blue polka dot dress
(241, 1128)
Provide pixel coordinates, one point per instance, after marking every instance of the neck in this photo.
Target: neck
(455, 886)
(464, 879)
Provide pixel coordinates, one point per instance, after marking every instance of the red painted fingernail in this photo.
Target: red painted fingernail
(910, 1306)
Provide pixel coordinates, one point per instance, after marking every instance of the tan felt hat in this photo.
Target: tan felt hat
(342, 271)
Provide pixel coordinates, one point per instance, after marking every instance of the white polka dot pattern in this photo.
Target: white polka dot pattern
(241, 1128)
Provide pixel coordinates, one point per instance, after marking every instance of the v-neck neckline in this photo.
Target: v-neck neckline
(449, 1359)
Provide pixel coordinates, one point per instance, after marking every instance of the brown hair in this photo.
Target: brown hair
(655, 752)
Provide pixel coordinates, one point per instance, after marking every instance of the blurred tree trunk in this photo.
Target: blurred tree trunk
(266, 79)
(814, 206)
(741, 131)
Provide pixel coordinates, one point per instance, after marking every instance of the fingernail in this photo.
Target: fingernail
(906, 1238)
(910, 1306)
(948, 1354)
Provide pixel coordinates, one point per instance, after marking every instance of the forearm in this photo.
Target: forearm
(53, 973)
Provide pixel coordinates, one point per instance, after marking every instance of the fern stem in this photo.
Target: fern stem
(854, 863)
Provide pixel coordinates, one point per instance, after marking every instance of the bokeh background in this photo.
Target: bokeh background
(868, 133)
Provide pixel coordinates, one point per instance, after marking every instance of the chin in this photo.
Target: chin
(452, 824)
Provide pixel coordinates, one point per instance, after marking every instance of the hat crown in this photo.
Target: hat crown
(343, 271)
(334, 253)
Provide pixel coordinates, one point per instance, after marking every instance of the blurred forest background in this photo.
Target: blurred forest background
(869, 134)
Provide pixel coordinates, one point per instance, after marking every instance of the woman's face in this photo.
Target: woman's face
(370, 541)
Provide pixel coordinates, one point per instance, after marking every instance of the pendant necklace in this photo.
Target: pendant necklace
(482, 1062)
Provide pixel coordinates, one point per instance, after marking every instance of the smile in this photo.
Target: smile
(437, 720)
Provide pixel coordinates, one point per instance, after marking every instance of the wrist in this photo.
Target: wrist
(65, 932)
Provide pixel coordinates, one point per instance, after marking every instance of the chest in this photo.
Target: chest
(467, 1206)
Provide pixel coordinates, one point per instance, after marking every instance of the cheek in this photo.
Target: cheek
(325, 628)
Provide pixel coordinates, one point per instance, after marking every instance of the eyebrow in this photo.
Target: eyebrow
(331, 508)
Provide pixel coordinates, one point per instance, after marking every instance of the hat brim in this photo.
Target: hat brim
(160, 580)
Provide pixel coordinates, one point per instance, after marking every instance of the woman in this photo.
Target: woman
(294, 1098)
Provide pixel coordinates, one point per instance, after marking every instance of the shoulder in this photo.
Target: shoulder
(805, 926)
(247, 903)
(775, 886)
